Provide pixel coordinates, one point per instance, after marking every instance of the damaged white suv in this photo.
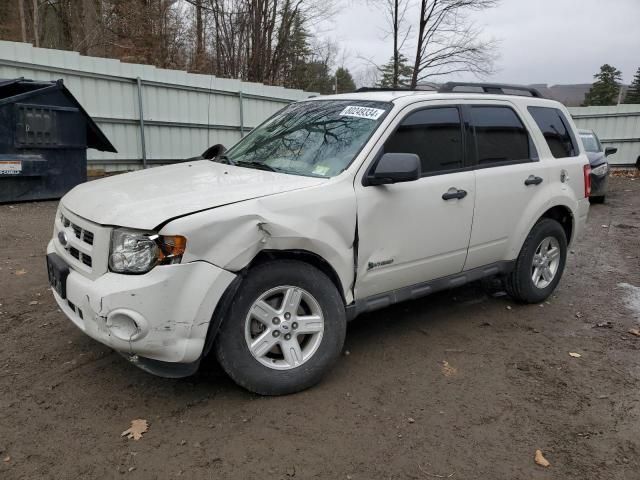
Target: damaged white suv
(333, 207)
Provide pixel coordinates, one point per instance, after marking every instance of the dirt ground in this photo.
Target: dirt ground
(460, 385)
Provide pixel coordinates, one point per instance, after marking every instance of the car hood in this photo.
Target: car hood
(596, 158)
(148, 198)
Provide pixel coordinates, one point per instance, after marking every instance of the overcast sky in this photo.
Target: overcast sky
(540, 41)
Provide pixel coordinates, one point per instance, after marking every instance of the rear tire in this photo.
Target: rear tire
(262, 344)
(540, 264)
(598, 199)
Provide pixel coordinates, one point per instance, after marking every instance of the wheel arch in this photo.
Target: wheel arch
(558, 211)
(262, 257)
(564, 216)
(300, 255)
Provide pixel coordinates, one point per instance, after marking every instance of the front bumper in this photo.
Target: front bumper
(599, 185)
(170, 307)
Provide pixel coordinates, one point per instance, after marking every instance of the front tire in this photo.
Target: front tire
(540, 264)
(284, 330)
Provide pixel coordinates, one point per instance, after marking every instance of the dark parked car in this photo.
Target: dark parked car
(599, 165)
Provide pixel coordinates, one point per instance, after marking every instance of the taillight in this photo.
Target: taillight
(587, 180)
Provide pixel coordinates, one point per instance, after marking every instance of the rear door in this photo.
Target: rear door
(408, 233)
(508, 176)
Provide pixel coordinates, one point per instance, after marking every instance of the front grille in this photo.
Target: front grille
(85, 235)
(83, 257)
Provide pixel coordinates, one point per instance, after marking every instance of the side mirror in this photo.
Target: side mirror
(214, 151)
(610, 151)
(395, 168)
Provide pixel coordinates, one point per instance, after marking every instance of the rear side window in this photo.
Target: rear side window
(556, 131)
(501, 136)
(434, 134)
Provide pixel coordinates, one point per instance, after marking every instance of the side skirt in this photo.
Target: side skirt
(412, 292)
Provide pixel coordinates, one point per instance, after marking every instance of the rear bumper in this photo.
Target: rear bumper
(599, 185)
(163, 315)
(580, 220)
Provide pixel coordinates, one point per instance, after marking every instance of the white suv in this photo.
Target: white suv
(333, 207)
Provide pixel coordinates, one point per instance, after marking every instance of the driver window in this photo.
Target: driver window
(435, 135)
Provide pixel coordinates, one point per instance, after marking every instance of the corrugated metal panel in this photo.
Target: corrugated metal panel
(184, 113)
(616, 126)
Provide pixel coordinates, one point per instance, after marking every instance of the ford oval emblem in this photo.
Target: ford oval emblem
(63, 239)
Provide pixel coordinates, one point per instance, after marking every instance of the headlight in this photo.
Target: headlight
(138, 252)
(601, 170)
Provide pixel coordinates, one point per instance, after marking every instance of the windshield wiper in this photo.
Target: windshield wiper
(224, 159)
(258, 165)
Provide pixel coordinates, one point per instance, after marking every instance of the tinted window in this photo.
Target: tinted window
(500, 135)
(555, 128)
(434, 134)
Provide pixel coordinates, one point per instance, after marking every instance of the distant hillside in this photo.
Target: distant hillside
(570, 95)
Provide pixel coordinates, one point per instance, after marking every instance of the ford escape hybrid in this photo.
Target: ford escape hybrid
(333, 207)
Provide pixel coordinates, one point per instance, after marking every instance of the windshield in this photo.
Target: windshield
(591, 143)
(317, 138)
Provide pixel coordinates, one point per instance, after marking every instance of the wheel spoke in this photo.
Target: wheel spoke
(263, 312)
(310, 324)
(553, 253)
(261, 345)
(291, 300)
(292, 352)
(536, 275)
(547, 274)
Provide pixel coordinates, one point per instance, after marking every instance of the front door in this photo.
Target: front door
(417, 231)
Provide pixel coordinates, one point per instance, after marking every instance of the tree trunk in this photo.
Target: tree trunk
(22, 23)
(36, 29)
(421, 39)
(199, 37)
(396, 56)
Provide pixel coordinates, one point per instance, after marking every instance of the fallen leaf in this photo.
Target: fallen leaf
(603, 325)
(33, 302)
(635, 331)
(575, 355)
(579, 315)
(6, 459)
(22, 271)
(540, 460)
(410, 420)
(448, 370)
(137, 428)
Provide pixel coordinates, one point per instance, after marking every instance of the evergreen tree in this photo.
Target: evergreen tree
(344, 81)
(606, 88)
(633, 94)
(317, 78)
(404, 73)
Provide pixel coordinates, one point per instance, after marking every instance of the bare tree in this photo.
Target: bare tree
(396, 11)
(23, 26)
(36, 29)
(448, 42)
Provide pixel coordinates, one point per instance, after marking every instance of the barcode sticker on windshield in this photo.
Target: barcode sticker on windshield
(362, 112)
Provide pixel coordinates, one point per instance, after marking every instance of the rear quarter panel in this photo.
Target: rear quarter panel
(555, 192)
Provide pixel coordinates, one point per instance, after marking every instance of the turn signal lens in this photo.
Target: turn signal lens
(172, 248)
(587, 181)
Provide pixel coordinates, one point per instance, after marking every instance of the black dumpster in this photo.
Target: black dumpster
(44, 136)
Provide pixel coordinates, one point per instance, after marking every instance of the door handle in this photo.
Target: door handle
(533, 180)
(453, 192)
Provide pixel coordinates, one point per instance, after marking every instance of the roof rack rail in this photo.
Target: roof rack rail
(384, 89)
(493, 88)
